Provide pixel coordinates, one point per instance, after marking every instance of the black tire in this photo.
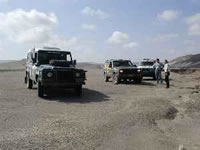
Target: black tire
(25, 79)
(40, 90)
(106, 78)
(154, 77)
(79, 90)
(116, 80)
(138, 80)
(29, 83)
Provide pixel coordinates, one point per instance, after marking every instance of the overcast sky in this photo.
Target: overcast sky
(96, 30)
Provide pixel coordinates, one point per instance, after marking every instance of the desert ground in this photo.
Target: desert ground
(107, 116)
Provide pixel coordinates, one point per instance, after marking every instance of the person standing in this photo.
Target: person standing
(167, 73)
(158, 68)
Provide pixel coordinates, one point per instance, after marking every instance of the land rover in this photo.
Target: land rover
(53, 68)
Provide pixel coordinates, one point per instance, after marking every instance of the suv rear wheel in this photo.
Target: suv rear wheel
(29, 83)
(106, 78)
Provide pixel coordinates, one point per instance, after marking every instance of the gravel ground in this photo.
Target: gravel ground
(107, 116)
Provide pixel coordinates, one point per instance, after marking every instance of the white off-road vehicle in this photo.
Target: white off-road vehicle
(52, 68)
(147, 66)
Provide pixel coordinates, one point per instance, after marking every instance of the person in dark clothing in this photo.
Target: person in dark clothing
(167, 73)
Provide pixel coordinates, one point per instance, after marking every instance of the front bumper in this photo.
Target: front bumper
(64, 84)
(130, 76)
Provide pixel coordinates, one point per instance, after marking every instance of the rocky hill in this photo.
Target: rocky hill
(188, 61)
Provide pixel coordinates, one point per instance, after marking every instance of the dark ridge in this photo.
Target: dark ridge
(188, 61)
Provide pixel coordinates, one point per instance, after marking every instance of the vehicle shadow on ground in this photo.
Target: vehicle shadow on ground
(134, 83)
(69, 96)
(147, 84)
(143, 83)
(148, 79)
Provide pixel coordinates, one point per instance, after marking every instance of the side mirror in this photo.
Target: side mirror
(74, 62)
(37, 64)
(110, 65)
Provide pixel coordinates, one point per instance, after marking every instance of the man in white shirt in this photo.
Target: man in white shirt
(167, 73)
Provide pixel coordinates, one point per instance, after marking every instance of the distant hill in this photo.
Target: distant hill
(188, 61)
(5, 61)
(13, 65)
(89, 66)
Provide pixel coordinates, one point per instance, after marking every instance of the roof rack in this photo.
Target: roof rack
(54, 48)
(147, 59)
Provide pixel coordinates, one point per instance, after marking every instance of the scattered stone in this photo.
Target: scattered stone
(171, 113)
(197, 87)
(195, 92)
(181, 147)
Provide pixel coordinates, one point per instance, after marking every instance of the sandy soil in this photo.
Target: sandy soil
(107, 116)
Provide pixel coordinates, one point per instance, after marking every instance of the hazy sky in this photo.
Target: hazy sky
(96, 30)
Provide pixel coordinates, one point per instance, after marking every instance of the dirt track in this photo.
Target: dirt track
(107, 117)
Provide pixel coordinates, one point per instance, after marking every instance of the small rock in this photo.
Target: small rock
(181, 147)
(197, 87)
(195, 92)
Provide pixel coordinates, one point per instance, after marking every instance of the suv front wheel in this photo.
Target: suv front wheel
(29, 83)
(116, 80)
(154, 77)
(78, 90)
(138, 80)
(40, 89)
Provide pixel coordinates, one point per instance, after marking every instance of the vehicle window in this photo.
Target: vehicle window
(134, 65)
(29, 57)
(36, 56)
(110, 65)
(45, 57)
(122, 63)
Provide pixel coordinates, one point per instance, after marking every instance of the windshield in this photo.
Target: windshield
(124, 63)
(44, 57)
(147, 63)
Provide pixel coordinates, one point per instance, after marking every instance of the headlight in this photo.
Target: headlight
(121, 71)
(49, 74)
(139, 70)
(78, 74)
